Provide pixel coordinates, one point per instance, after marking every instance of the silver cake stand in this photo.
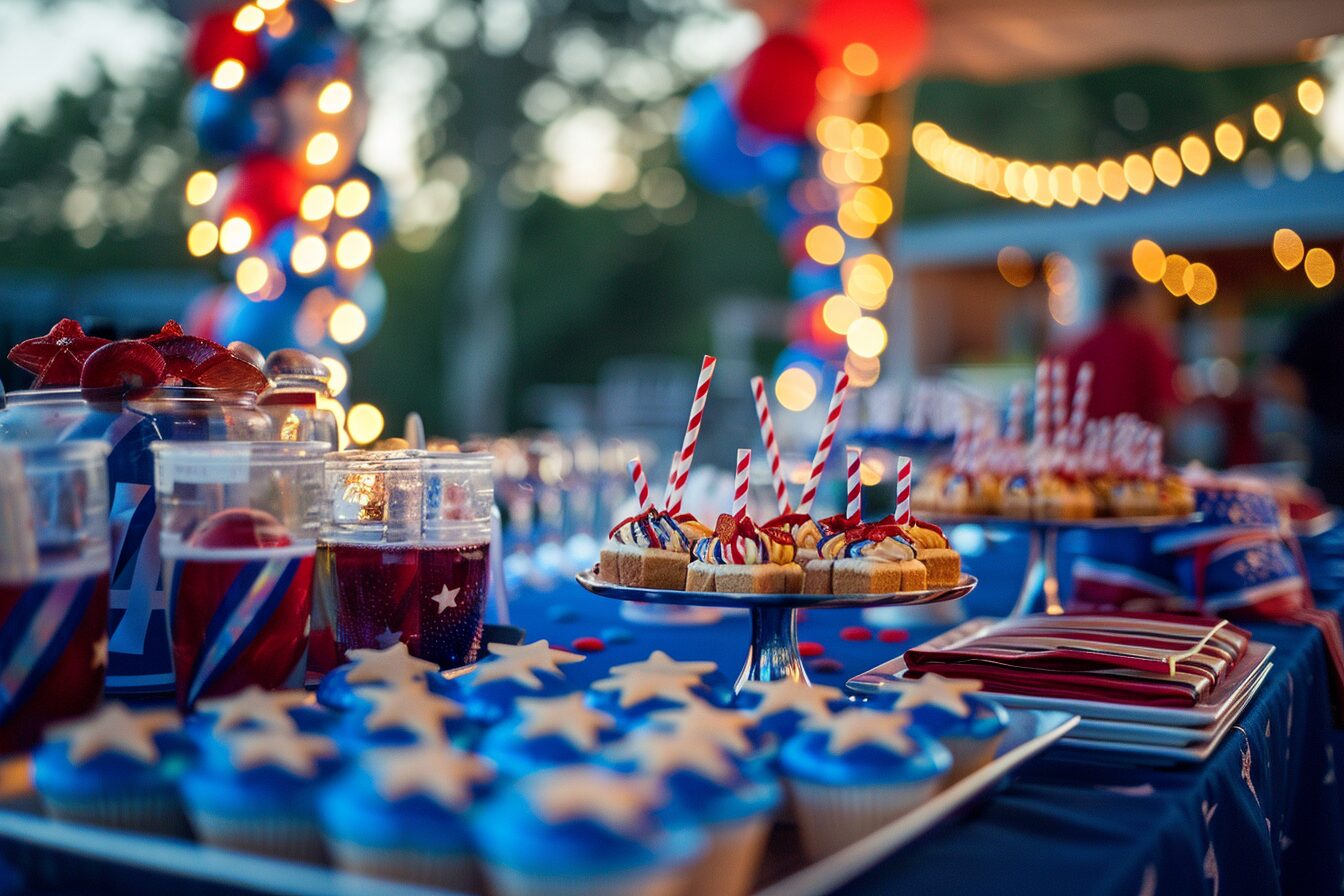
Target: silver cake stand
(773, 652)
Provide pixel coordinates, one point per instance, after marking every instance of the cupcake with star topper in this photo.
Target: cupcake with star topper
(634, 690)
(403, 813)
(778, 707)
(256, 709)
(401, 717)
(968, 724)
(547, 732)
(734, 732)
(511, 671)
(262, 796)
(583, 830)
(854, 772)
(115, 768)
(388, 667)
(732, 801)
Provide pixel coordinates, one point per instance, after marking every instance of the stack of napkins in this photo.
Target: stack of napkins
(1149, 659)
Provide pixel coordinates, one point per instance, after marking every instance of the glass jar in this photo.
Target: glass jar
(299, 400)
(139, 652)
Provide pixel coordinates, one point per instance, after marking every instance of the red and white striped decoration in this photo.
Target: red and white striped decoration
(824, 444)
(1040, 417)
(741, 484)
(672, 479)
(771, 447)
(854, 485)
(692, 431)
(1082, 395)
(1017, 411)
(1059, 401)
(1155, 453)
(636, 470)
(904, 473)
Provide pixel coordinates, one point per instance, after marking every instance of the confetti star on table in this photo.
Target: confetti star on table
(441, 772)
(296, 753)
(935, 690)
(662, 753)
(520, 663)
(619, 802)
(388, 638)
(99, 653)
(413, 708)
(567, 717)
(391, 665)
(636, 687)
(787, 694)
(660, 663)
(725, 727)
(856, 727)
(266, 709)
(446, 598)
(115, 729)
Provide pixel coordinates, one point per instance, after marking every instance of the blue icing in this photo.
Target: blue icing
(628, 717)
(695, 798)
(352, 810)
(986, 720)
(353, 735)
(807, 756)
(516, 755)
(221, 789)
(336, 693)
(111, 772)
(200, 726)
(779, 726)
(493, 701)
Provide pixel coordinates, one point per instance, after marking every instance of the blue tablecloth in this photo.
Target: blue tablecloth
(1263, 816)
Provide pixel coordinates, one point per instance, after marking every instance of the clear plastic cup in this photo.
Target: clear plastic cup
(54, 561)
(404, 555)
(239, 533)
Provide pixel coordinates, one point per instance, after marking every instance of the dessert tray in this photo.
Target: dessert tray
(56, 854)
(773, 652)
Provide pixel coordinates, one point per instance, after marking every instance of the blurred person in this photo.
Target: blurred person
(1134, 371)
(1310, 374)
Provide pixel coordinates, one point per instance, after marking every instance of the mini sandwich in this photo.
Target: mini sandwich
(651, 550)
(872, 558)
(942, 564)
(742, 558)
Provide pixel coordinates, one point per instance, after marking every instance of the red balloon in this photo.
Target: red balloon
(214, 39)
(890, 34)
(778, 88)
(266, 192)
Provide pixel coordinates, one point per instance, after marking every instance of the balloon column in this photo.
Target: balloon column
(291, 213)
(785, 130)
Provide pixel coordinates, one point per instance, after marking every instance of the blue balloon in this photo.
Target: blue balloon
(778, 209)
(280, 244)
(809, 278)
(376, 219)
(266, 325)
(709, 143)
(781, 162)
(224, 120)
(313, 41)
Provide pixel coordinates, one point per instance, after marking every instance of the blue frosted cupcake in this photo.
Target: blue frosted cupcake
(856, 771)
(631, 698)
(582, 830)
(255, 709)
(512, 671)
(402, 812)
(732, 801)
(115, 768)
(703, 677)
(545, 733)
(778, 707)
(263, 798)
(730, 730)
(370, 668)
(970, 726)
(401, 716)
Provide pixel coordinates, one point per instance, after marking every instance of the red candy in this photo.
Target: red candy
(856, 633)
(826, 665)
(892, 635)
(123, 367)
(810, 648)
(240, 527)
(185, 353)
(228, 371)
(168, 331)
(57, 357)
(588, 645)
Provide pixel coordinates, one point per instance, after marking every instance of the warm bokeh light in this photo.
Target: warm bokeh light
(322, 148)
(836, 132)
(1138, 173)
(1087, 183)
(1310, 96)
(347, 323)
(234, 235)
(334, 98)
(871, 471)
(860, 59)
(1059, 273)
(839, 312)
(1173, 274)
(353, 249)
(824, 244)
(352, 198)
(1195, 154)
(228, 75)
(270, 5)
(1015, 265)
(1268, 121)
(835, 84)
(795, 388)
(1149, 260)
(364, 422)
(854, 223)
(1229, 139)
(1320, 268)
(867, 280)
(862, 169)
(252, 274)
(1063, 307)
(1062, 186)
(309, 254)
(318, 201)
(201, 187)
(872, 204)
(202, 238)
(863, 372)
(833, 167)
(1199, 283)
(1288, 248)
(1113, 179)
(1167, 166)
(867, 338)
(249, 18)
(1037, 183)
(870, 141)
(339, 375)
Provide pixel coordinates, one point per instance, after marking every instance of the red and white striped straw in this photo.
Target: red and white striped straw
(641, 484)
(1155, 453)
(1082, 395)
(692, 431)
(1059, 400)
(1017, 411)
(904, 470)
(824, 443)
(771, 447)
(1040, 418)
(741, 484)
(672, 479)
(854, 483)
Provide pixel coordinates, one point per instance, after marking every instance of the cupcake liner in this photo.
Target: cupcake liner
(284, 837)
(146, 813)
(969, 755)
(444, 871)
(732, 857)
(831, 817)
(660, 881)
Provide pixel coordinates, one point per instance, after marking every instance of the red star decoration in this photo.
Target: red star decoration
(58, 357)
